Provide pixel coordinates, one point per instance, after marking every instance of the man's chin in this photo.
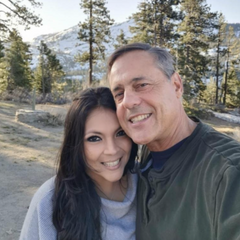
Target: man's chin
(141, 140)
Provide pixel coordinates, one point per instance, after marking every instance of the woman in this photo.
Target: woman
(93, 193)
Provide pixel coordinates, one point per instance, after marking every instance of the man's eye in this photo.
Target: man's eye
(94, 139)
(118, 95)
(121, 133)
(143, 84)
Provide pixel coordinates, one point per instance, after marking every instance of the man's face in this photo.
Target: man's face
(148, 103)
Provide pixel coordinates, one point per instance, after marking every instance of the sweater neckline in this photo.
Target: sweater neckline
(129, 197)
(178, 157)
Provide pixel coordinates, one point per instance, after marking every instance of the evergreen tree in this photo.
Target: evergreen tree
(95, 31)
(18, 58)
(232, 48)
(121, 40)
(3, 72)
(156, 22)
(49, 70)
(1, 50)
(218, 41)
(196, 32)
(210, 89)
(16, 12)
(143, 31)
(233, 89)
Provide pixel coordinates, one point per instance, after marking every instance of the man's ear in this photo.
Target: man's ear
(178, 85)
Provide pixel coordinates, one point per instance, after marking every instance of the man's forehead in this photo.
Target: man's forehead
(121, 84)
(130, 61)
(116, 81)
(119, 71)
(129, 68)
(133, 56)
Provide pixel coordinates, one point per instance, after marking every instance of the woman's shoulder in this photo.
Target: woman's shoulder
(45, 192)
(38, 221)
(47, 187)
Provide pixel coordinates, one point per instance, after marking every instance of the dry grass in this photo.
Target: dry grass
(228, 128)
(27, 159)
(236, 134)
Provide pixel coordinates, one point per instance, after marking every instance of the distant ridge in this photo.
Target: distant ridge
(66, 45)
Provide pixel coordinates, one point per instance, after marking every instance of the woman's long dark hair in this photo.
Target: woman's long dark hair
(76, 204)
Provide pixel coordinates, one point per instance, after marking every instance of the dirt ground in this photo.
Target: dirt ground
(28, 158)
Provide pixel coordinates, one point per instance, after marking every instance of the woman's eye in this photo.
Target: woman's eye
(94, 139)
(121, 133)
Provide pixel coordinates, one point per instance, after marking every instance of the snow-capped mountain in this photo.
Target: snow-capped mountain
(236, 28)
(66, 45)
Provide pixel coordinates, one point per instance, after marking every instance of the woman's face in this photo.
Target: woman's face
(106, 146)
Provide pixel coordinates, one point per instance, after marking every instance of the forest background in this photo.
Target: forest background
(206, 51)
(207, 55)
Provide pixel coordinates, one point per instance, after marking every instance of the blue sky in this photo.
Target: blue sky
(58, 15)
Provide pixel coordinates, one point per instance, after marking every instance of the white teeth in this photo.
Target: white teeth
(139, 118)
(111, 164)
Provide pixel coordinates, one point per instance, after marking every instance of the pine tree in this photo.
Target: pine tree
(156, 22)
(196, 32)
(121, 40)
(232, 48)
(143, 31)
(18, 58)
(217, 44)
(3, 72)
(233, 88)
(95, 31)
(49, 70)
(1, 49)
(16, 12)
(210, 89)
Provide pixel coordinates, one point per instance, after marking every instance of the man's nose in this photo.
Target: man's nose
(130, 100)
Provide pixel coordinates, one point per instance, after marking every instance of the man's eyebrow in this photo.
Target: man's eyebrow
(137, 79)
(117, 88)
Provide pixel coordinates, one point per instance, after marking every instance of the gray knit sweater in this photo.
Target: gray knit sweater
(117, 218)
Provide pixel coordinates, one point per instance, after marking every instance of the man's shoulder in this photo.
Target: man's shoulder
(222, 145)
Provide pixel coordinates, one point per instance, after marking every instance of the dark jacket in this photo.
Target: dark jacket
(196, 195)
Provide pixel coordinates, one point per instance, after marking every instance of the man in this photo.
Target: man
(189, 186)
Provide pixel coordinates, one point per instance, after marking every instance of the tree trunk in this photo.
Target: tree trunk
(90, 48)
(155, 24)
(217, 72)
(225, 87)
(42, 68)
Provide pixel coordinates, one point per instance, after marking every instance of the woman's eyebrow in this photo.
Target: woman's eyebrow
(93, 132)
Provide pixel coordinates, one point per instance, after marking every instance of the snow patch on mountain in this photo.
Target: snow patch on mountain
(66, 45)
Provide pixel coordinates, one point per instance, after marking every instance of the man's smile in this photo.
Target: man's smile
(139, 118)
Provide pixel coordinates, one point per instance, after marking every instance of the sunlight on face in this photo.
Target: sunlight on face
(106, 146)
(148, 103)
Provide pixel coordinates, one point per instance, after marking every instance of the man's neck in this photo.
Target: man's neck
(184, 128)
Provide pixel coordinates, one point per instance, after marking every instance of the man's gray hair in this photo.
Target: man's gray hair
(164, 60)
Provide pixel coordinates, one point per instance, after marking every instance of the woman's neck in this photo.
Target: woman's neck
(114, 191)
